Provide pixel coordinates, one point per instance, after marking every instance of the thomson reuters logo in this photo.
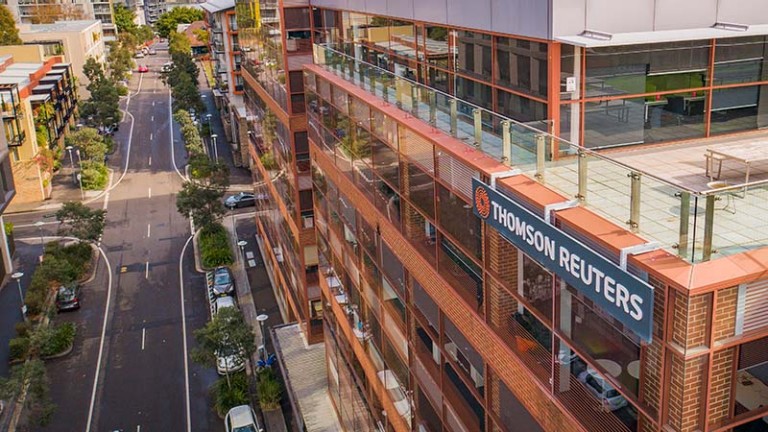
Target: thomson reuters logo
(482, 202)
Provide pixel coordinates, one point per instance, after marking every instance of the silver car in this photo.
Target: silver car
(242, 419)
(223, 283)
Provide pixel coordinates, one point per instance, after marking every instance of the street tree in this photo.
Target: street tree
(91, 144)
(179, 44)
(47, 13)
(80, 221)
(168, 21)
(28, 383)
(144, 33)
(226, 334)
(9, 34)
(124, 18)
(182, 63)
(212, 173)
(185, 94)
(202, 202)
(93, 70)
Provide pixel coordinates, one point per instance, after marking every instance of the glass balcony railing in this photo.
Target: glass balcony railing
(697, 224)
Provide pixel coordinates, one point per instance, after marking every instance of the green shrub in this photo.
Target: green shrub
(35, 300)
(122, 90)
(268, 160)
(94, 175)
(214, 247)
(227, 395)
(56, 270)
(8, 228)
(58, 339)
(269, 390)
(22, 328)
(18, 348)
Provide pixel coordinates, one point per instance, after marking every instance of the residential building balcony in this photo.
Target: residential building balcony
(10, 110)
(17, 139)
(216, 28)
(687, 205)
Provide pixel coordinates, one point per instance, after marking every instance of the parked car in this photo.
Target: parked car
(138, 55)
(240, 199)
(152, 51)
(143, 69)
(227, 364)
(223, 302)
(223, 283)
(167, 66)
(242, 419)
(68, 297)
(611, 399)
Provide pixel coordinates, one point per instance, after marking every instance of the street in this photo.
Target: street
(129, 368)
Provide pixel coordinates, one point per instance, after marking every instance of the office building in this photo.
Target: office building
(499, 246)
(76, 41)
(39, 106)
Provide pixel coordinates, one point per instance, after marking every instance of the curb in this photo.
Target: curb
(198, 263)
(64, 353)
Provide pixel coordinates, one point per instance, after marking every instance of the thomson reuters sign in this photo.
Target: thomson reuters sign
(620, 294)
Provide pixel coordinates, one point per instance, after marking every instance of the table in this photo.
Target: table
(746, 153)
(611, 367)
(633, 369)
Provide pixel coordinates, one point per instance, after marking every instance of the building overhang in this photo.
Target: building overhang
(597, 39)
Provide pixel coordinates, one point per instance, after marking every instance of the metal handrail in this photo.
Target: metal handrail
(548, 135)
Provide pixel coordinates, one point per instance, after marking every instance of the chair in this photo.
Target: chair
(710, 165)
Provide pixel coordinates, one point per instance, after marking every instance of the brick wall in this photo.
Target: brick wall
(722, 384)
(724, 321)
(501, 305)
(686, 399)
(691, 315)
(501, 257)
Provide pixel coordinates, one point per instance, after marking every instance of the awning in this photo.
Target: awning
(599, 39)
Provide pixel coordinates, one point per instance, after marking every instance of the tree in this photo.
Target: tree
(202, 202)
(9, 34)
(180, 15)
(81, 221)
(213, 173)
(102, 108)
(178, 44)
(185, 93)
(201, 35)
(93, 70)
(183, 63)
(120, 59)
(226, 334)
(89, 142)
(48, 13)
(31, 376)
(144, 33)
(124, 18)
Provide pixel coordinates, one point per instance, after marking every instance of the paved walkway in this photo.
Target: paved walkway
(307, 379)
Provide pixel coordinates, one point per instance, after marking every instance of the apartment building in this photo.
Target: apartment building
(39, 106)
(529, 215)
(8, 192)
(274, 41)
(76, 41)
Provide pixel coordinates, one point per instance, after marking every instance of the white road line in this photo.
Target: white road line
(146, 271)
(150, 161)
(106, 201)
(138, 428)
(151, 135)
(173, 152)
(148, 229)
(143, 337)
(152, 118)
(33, 225)
(101, 343)
(184, 330)
(153, 103)
(150, 192)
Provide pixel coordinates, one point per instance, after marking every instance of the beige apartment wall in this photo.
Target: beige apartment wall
(24, 53)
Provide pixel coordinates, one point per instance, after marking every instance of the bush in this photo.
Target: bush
(214, 247)
(229, 395)
(22, 328)
(78, 255)
(18, 348)
(268, 160)
(58, 339)
(35, 301)
(269, 390)
(94, 175)
(122, 90)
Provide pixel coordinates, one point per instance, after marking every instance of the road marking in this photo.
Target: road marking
(150, 192)
(152, 118)
(150, 136)
(150, 161)
(101, 343)
(184, 330)
(153, 103)
(146, 271)
(143, 338)
(138, 428)
(148, 229)
(106, 201)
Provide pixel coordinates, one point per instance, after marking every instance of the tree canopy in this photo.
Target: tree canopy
(89, 142)
(185, 93)
(102, 108)
(180, 15)
(178, 43)
(9, 34)
(80, 221)
(201, 201)
(124, 18)
(226, 334)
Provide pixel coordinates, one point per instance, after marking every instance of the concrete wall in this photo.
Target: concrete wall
(571, 17)
(522, 17)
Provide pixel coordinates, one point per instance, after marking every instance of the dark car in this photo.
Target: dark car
(68, 298)
(223, 283)
(241, 199)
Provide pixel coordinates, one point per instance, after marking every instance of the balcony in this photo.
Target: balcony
(653, 193)
(10, 110)
(216, 28)
(17, 140)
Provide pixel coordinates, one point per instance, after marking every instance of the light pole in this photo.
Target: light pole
(210, 125)
(71, 161)
(39, 225)
(242, 244)
(262, 319)
(215, 150)
(17, 276)
(80, 180)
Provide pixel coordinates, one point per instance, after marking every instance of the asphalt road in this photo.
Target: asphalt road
(141, 382)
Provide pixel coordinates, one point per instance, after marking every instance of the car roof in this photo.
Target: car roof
(241, 416)
(224, 302)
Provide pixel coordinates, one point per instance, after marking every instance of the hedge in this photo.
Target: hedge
(94, 175)
(214, 246)
(228, 394)
(61, 265)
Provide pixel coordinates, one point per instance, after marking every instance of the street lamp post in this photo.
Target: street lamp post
(17, 276)
(71, 161)
(262, 318)
(242, 244)
(215, 150)
(80, 181)
(39, 225)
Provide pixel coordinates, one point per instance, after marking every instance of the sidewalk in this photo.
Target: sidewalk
(64, 189)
